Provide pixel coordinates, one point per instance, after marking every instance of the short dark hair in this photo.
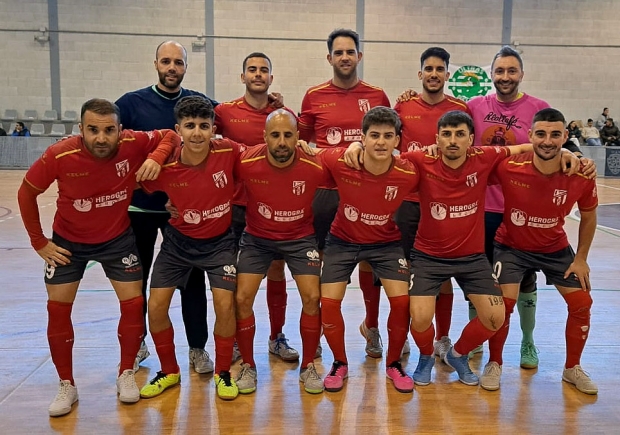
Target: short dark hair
(610, 120)
(381, 115)
(435, 52)
(549, 115)
(100, 107)
(21, 124)
(590, 120)
(454, 118)
(193, 106)
(347, 33)
(507, 51)
(605, 108)
(256, 54)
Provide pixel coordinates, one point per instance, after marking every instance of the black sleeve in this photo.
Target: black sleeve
(570, 145)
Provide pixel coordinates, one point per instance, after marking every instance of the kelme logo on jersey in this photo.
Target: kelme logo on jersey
(122, 168)
(472, 179)
(264, 210)
(391, 192)
(469, 81)
(220, 180)
(192, 216)
(334, 135)
(439, 210)
(351, 213)
(83, 205)
(559, 196)
(299, 187)
(364, 105)
(518, 217)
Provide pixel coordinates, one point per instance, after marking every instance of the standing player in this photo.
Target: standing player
(148, 109)
(363, 230)
(331, 116)
(537, 198)
(279, 226)
(96, 174)
(198, 178)
(419, 116)
(243, 121)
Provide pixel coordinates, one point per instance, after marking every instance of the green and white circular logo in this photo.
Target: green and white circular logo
(469, 81)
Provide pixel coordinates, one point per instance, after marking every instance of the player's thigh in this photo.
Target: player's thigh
(159, 301)
(62, 292)
(387, 260)
(301, 256)
(309, 291)
(339, 261)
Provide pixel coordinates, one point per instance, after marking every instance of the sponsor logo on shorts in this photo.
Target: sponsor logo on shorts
(264, 210)
(334, 135)
(299, 187)
(83, 205)
(559, 196)
(391, 192)
(192, 216)
(594, 193)
(459, 211)
(288, 215)
(230, 270)
(402, 262)
(518, 217)
(220, 180)
(122, 168)
(439, 210)
(351, 213)
(130, 261)
(312, 255)
(472, 179)
(363, 104)
(497, 270)
(110, 200)
(49, 271)
(375, 219)
(414, 145)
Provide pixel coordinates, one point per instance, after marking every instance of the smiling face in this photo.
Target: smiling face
(196, 133)
(507, 75)
(379, 141)
(547, 139)
(100, 134)
(433, 75)
(257, 75)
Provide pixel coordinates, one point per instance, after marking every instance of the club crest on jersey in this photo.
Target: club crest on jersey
(122, 168)
(518, 217)
(334, 135)
(472, 179)
(351, 213)
(299, 187)
(559, 196)
(220, 180)
(391, 192)
(414, 145)
(130, 261)
(364, 105)
(264, 210)
(191, 216)
(439, 211)
(83, 205)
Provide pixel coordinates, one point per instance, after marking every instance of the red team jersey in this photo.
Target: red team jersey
(279, 199)
(367, 201)
(93, 193)
(240, 122)
(420, 124)
(536, 204)
(202, 194)
(452, 202)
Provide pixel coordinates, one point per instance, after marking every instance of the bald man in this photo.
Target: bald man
(279, 227)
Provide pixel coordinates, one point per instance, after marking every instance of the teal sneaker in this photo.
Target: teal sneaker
(529, 355)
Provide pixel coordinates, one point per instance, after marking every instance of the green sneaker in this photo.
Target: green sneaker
(225, 386)
(529, 355)
(159, 384)
(473, 353)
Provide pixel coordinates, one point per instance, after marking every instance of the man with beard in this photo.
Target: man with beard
(538, 197)
(148, 109)
(331, 116)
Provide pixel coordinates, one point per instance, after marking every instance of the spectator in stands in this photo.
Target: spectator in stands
(600, 121)
(610, 135)
(20, 129)
(574, 132)
(2, 132)
(591, 134)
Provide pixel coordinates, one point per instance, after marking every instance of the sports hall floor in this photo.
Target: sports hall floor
(529, 401)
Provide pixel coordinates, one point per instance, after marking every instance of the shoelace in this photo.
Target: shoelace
(128, 381)
(63, 392)
(335, 368)
(282, 342)
(398, 367)
(312, 374)
(157, 378)
(225, 377)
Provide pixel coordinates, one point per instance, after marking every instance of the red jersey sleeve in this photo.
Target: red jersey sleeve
(589, 199)
(158, 143)
(29, 211)
(306, 120)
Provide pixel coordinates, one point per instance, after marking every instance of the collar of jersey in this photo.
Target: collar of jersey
(158, 92)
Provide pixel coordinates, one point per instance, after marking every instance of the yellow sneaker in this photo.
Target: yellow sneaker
(225, 386)
(159, 383)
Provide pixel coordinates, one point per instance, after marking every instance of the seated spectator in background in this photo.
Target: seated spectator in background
(610, 135)
(574, 132)
(600, 121)
(2, 132)
(591, 134)
(20, 129)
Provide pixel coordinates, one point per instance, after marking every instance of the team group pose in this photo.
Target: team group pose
(245, 205)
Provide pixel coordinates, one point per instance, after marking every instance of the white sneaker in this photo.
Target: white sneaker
(441, 347)
(580, 379)
(491, 376)
(236, 353)
(66, 397)
(201, 360)
(280, 347)
(313, 383)
(128, 391)
(406, 348)
(143, 354)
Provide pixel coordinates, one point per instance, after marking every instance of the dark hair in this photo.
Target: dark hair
(381, 115)
(193, 106)
(21, 124)
(605, 108)
(507, 51)
(454, 118)
(435, 52)
(100, 107)
(348, 33)
(590, 120)
(171, 42)
(256, 54)
(549, 115)
(610, 120)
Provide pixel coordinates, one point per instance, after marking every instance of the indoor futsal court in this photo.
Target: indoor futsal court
(529, 401)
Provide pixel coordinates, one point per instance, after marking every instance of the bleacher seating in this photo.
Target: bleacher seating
(70, 116)
(30, 115)
(37, 129)
(58, 130)
(10, 115)
(50, 115)
(11, 128)
(75, 130)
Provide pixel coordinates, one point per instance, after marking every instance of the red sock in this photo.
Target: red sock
(164, 345)
(276, 304)
(130, 331)
(333, 327)
(398, 327)
(497, 341)
(223, 352)
(443, 315)
(473, 335)
(60, 338)
(372, 295)
(310, 331)
(577, 325)
(246, 329)
(424, 340)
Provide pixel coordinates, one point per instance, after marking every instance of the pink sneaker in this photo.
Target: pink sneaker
(402, 382)
(334, 381)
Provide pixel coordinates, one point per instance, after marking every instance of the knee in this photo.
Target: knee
(420, 320)
(224, 305)
(580, 306)
(494, 319)
(310, 303)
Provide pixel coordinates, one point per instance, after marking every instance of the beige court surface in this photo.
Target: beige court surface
(529, 401)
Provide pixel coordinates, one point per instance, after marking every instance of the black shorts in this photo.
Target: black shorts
(118, 257)
(407, 219)
(511, 265)
(340, 258)
(472, 273)
(256, 254)
(324, 207)
(179, 253)
(238, 222)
